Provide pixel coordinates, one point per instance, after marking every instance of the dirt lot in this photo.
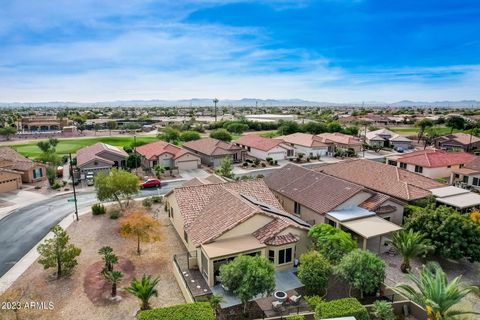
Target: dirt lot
(67, 295)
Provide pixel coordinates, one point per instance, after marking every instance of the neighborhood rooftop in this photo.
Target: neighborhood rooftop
(435, 158)
(94, 151)
(211, 146)
(153, 150)
(257, 142)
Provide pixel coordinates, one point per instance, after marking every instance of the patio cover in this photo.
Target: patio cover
(461, 201)
(350, 213)
(448, 191)
(371, 227)
(237, 245)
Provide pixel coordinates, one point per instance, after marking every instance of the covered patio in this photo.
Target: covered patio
(285, 280)
(365, 224)
(458, 198)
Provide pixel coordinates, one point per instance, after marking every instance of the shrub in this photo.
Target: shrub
(313, 301)
(341, 308)
(269, 159)
(147, 203)
(56, 186)
(114, 214)
(98, 209)
(189, 311)
(263, 165)
(38, 187)
(314, 271)
(245, 164)
(256, 162)
(275, 162)
(260, 176)
(157, 199)
(295, 317)
(382, 310)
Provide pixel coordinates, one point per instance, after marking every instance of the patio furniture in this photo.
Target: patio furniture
(280, 296)
(224, 287)
(295, 299)
(277, 305)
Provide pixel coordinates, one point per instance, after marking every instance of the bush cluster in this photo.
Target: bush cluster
(341, 308)
(98, 209)
(189, 311)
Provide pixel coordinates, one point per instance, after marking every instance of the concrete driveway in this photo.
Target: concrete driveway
(193, 173)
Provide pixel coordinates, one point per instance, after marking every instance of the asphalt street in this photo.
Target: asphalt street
(25, 227)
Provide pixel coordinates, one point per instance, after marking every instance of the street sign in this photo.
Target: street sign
(71, 200)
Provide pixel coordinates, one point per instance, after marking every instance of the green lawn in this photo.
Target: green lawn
(71, 145)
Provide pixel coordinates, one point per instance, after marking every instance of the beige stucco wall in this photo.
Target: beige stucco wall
(396, 216)
(247, 227)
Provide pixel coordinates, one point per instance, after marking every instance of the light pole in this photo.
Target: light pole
(215, 101)
(73, 185)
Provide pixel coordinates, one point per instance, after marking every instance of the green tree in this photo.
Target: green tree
(237, 127)
(248, 276)
(58, 253)
(332, 242)
(189, 136)
(423, 125)
(226, 168)
(215, 300)
(409, 244)
(455, 122)
(314, 271)
(144, 289)
(288, 127)
(134, 160)
(221, 134)
(362, 270)
(51, 175)
(111, 125)
(351, 130)
(314, 127)
(159, 170)
(108, 257)
(435, 293)
(7, 132)
(113, 277)
(453, 235)
(334, 126)
(117, 185)
(169, 134)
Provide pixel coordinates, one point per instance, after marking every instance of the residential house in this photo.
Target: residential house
(431, 163)
(220, 221)
(398, 183)
(31, 171)
(312, 195)
(263, 148)
(385, 138)
(341, 141)
(468, 176)
(308, 144)
(100, 157)
(458, 141)
(212, 151)
(167, 155)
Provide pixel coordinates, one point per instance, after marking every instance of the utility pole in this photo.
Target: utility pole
(73, 185)
(215, 101)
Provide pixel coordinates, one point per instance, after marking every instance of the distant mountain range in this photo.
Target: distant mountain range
(249, 102)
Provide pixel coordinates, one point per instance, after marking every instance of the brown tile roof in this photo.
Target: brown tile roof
(303, 139)
(257, 142)
(282, 239)
(89, 153)
(210, 210)
(337, 137)
(317, 191)
(152, 150)
(459, 137)
(396, 182)
(13, 160)
(436, 158)
(212, 147)
(211, 179)
(473, 165)
(374, 201)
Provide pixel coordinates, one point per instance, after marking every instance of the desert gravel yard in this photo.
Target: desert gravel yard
(68, 295)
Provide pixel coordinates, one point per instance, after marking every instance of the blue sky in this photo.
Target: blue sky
(326, 50)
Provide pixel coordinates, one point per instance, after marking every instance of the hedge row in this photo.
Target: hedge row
(341, 308)
(189, 311)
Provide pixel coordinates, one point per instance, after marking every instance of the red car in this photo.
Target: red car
(150, 183)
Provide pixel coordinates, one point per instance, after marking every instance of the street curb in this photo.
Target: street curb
(28, 259)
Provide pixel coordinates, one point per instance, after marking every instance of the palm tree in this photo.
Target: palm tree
(113, 277)
(435, 294)
(410, 244)
(108, 257)
(215, 301)
(144, 289)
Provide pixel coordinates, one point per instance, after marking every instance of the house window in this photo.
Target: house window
(171, 212)
(271, 255)
(185, 236)
(476, 181)
(296, 208)
(461, 165)
(285, 256)
(403, 165)
(449, 166)
(418, 169)
(465, 179)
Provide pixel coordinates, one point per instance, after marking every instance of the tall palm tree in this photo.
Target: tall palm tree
(113, 277)
(144, 289)
(435, 294)
(410, 244)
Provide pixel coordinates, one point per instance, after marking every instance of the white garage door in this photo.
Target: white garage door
(187, 165)
(277, 155)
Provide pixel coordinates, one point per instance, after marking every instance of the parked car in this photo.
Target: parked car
(151, 183)
(90, 177)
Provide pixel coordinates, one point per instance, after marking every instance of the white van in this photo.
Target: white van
(90, 178)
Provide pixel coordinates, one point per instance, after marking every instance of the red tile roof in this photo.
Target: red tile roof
(13, 160)
(381, 177)
(155, 149)
(89, 153)
(212, 147)
(303, 139)
(257, 142)
(337, 137)
(436, 158)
